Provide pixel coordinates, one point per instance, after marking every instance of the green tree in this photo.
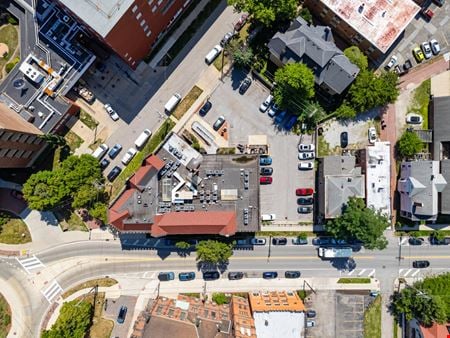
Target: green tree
(99, 211)
(79, 170)
(243, 57)
(182, 245)
(294, 83)
(267, 12)
(73, 321)
(439, 235)
(356, 57)
(409, 144)
(220, 298)
(54, 140)
(306, 15)
(213, 252)
(84, 196)
(45, 189)
(302, 235)
(344, 111)
(361, 223)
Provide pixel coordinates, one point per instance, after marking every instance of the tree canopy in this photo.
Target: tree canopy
(361, 223)
(213, 252)
(243, 56)
(356, 57)
(267, 11)
(409, 144)
(344, 111)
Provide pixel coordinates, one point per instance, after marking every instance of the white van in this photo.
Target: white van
(143, 138)
(100, 151)
(211, 56)
(268, 217)
(172, 103)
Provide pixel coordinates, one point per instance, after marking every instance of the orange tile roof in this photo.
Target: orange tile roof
(436, 331)
(152, 162)
(244, 325)
(276, 301)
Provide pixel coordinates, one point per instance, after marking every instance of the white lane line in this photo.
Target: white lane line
(361, 272)
(407, 272)
(415, 273)
(372, 273)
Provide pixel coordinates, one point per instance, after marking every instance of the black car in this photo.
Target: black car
(344, 139)
(104, 163)
(310, 313)
(235, 275)
(292, 274)
(266, 171)
(435, 241)
(211, 275)
(166, 276)
(114, 173)
(122, 314)
(219, 123)
(270, 275)
(305, 200)
(244, 86)
(421, 264)
(205, 108)
(279, 241)
(227, 37)
(440, 3)
(114, 151)
(415, 241)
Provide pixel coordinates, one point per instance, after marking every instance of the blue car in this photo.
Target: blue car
(122, 314)
(270, 275)
(186, 276)
(115, 150)
(280, 117)
(166, 276)
(290, 122)
(265, 160)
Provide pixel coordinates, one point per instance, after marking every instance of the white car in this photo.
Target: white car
(112, 113)
(306, 155)
(372, 135)
(273, 110)
(211, 56)
(426, 49)
(414, 119)
(435, 48)
(306, 166)
(128, 155)
(258, 241)
(306, 147)
(266, 104)
(392, 62)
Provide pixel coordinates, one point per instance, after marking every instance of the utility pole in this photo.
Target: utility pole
(270, 246)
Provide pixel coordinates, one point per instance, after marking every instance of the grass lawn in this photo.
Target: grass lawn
(218, 61)
(105, 282)
(354, 280)
(14, 231)
(323, 147)
(70, 221)
(88, 120)
(101, 327)
(187, 102)
(8, 36)
(5, 317)
(372, 319)
(73, 141)
(420, 101)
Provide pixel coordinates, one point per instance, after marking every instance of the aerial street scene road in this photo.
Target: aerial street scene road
(224, 168)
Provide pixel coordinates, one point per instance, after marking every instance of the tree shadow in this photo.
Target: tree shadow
(210, 266)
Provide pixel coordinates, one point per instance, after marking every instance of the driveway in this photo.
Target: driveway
(112, 311)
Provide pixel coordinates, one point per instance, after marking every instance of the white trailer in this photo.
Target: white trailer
(330, 253)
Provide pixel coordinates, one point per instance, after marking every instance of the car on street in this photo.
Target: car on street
(245, 85)
(266, 171)
(213, 54)
(421, 264)
(304, 210)
(235, 275)
(306, 155)
(227, 37)
(273, 110)
(186, 276)
(440, 3)
(104, 163)
(211, 275)
(414, 119)
(299, 241)
(279, 241)
(122, 314)
(241, 22)
(219, 123)
(311, 314)
(305, 200)
(418, 55)
(306, 147)
(292, 274)
(258, 241)
(344, 139)
(310, 323)
(115, 150)
(304, 191)
(392, 62)
(129, 155)
(415, 241)
(270, 275)
(280, 117)
(372, 133)
(112, 113)
(306, 166)
(435, 48)
(114, 173)
(266, 104)
(426, 49)
(265, 180)
(205, 108)
(166, 276)
(436, 241)
(265, 160)
(323, 241)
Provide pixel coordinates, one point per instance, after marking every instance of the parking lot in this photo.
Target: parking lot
(112, 311)
(243, 118)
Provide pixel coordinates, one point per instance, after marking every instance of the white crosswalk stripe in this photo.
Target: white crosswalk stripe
(403, 241)
(371, 273)
(361, 272)
(52, 291)
(30, 263)
(407, 273)
(415, 272)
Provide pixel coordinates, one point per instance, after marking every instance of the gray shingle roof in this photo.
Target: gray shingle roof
(441, 127)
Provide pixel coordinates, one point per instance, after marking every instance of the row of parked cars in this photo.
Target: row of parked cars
(214, 275)
(276, 113)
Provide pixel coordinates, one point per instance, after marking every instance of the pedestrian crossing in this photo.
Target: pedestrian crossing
(52, 291)
(30, 264)
(411, 273)
(362, 273)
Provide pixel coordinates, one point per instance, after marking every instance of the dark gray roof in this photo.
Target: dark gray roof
(445, 195)
(314, 46)
(441, 127)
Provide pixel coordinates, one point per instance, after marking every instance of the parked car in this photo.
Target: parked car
(306, 165)
(227, 37)
(266, 171)
(114, 173)
(440, 3)
(418, 54)
(421, 264)
(306, 147)
(426, 49)
(415, 241)
(273, 110)
(299, 241)
(266, 104)
(100, 151)
(213, 54)
(292, 274)
(265, 180)
(166, 276)
(235, 275)
(186, 276)
(306, 155)
(310, 323)
(427, 13)
(305, 200)
(311, 314)
(435, 241)
(407, 65)
(211, 275)
(205, 108)
(321, 241)
(143, 138)
(372, 133)
(219, 123)
(270, 275)
(258, 241)
(104, 163)
(122, 314)
(435, 48)
(112, 113)
(280, 117)
(245, 85)
(242, 20)
(115, 150)
(344, 139)
(291, 122)
(414, 119)
(279, 241)
(265, 160)
(129, 155)
(392, 62)
(304, 210)
(304, 191)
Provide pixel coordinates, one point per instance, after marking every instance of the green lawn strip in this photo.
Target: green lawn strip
(73, 140)
(323, 146)
(354, 280)
(421, 100)
(10, 37)
(101, 282)
(218, 61)
(14, 231)
(5, 317)
(187, 102)
(372, 319)
(422, 233)
(100, 327)
(88, 120)
(136, 162)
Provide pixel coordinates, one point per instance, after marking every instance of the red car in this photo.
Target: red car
(242, 20)
(265, 180)
(304, 191)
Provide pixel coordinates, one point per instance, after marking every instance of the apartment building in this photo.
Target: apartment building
(20, 143)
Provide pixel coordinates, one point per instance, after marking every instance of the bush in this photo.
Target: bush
(10, 65)
(220, 298)
(13, 21)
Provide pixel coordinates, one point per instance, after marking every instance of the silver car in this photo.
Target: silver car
(426, 49)
(306, 155)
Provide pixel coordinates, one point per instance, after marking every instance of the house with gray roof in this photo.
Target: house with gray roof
(419, 185)
(339, 179)
(314, 46)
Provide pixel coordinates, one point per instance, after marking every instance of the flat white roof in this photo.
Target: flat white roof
(100, 15)
(378, 177)
(279, 324)
(378, 21)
